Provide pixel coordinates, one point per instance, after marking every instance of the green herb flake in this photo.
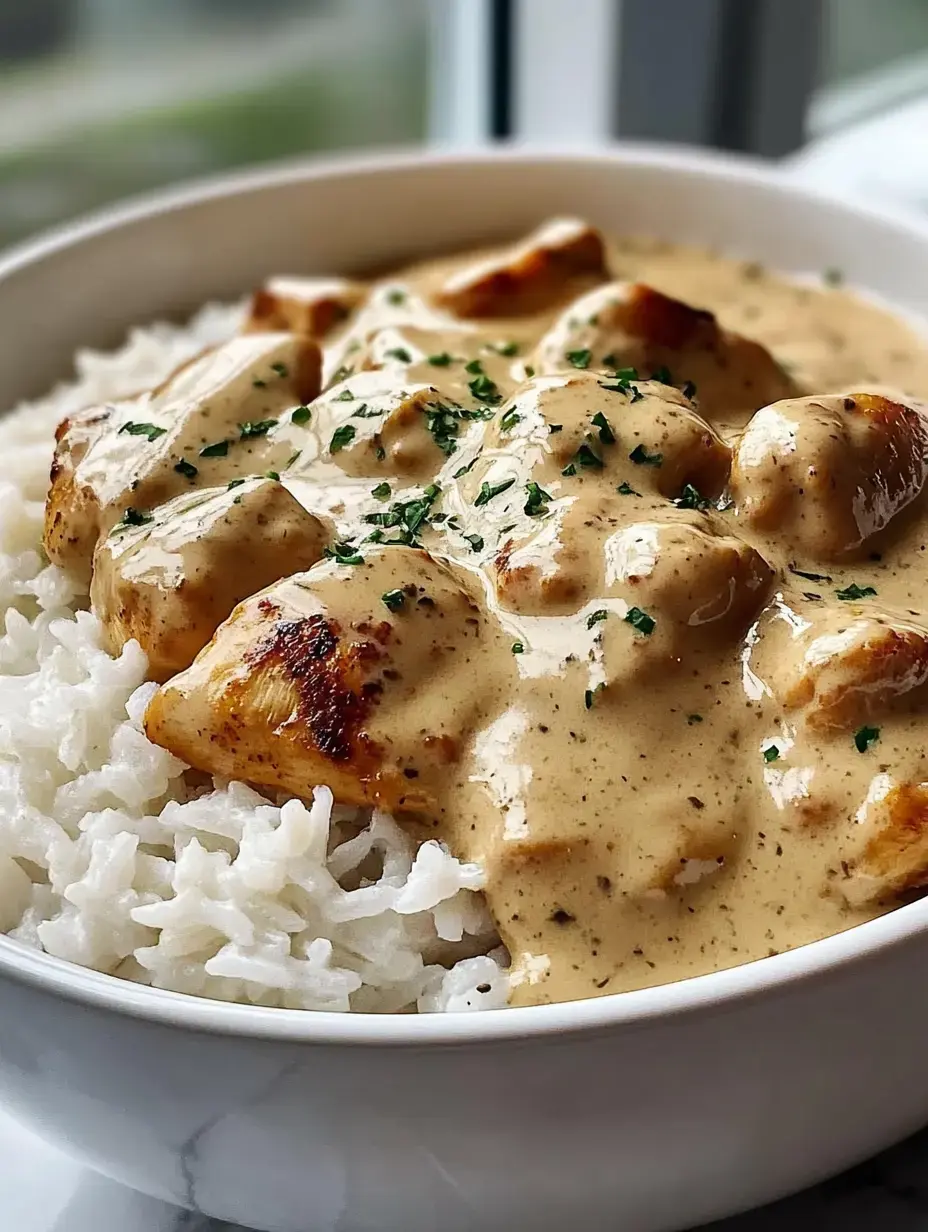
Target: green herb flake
(442, 360)
(293, 457)
(218, 449)
(341, 437)
(771, 753)
(626, 489)
(529, 371)
(506, 349)
(280, 369)
(509, 420)
(662, 376)
(475, 541)
(399, 353)
(689, 390)
(590, 694)
(518, 648)
(368, 412)
(474, 367)
(234, 483)
(133, 517)
(463, 470)
(380, 453)
(258, 383)
(586, 458)
(691, 498)
(537, 502)
(272, 475)
(489, 490)
(396, 296)
(394, 599)
(344, 554)
(251, 429)
(640, 456)
(833, 277)
(865, 737)
(810, 577)
(579, 359)
(552, 428)
(485, 390)
(606, 435)
(855, 592)
(149, 430)
(595, 617)
(693, 719)
(640, 620)
(345, 396)
(381, 492)
(187, 469)
(301, 415)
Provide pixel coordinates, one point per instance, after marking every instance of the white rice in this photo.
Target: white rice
(110, 860)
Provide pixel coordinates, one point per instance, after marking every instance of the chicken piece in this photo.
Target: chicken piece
(630, 325)
(827, 473)
(889, 851)
(536, 273)
(839, 667)
(171, 581)
(210, 422)
(366, 677)
(310, 306)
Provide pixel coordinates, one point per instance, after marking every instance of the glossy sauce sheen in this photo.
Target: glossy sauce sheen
(654, 695)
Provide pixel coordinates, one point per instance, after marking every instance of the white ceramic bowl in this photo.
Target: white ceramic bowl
(643, 1111)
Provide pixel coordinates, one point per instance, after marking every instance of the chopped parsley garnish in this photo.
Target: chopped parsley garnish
(689, 389)
(855, 592)
(640, 620)
(133, 517)
(234, 483)
(691, 498)
(444, 423)
(381, 492)
(595, 617)
(380, 453)
(662, 375)
(441, 360)
(485, 390)
(509, 420)
(640, 456)
(272, 475)
(606, 435)
(341, 437)
(518, 648)
(399, 353)
(810, 577)
(344, 554)
(408, 516)
(301, 415)
(529, 371)
(693, 718)
(474, 367)
(508, 349)
(218, 449)
(345, 396)
(342, 373)
(152, 431)
(590, 694)
(624, 374)
(280, 369)
(462, 470)
(475, 541)
(626, 489)
(586, 458)
(537, 502)
(865, 737)
(260, 427)
(489, 490)
(258, 383)
(623, 386)
(552, 428)
(771, 753)
(832, 276)
(368, 412)
(579, 359)
(187, 469)
(293, 457)
(394, 599)
(396, 296)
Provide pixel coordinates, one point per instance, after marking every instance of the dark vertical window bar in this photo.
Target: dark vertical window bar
(502, 67)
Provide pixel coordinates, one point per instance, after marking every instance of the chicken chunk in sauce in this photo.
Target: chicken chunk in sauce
(575, 555)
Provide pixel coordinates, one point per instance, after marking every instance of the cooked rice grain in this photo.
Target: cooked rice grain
(110, 860)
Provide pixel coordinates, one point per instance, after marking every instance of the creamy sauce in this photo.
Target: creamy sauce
(656, 661)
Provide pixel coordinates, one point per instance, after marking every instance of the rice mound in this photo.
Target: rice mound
(112, 858)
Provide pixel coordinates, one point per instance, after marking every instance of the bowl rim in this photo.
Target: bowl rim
(716, 992)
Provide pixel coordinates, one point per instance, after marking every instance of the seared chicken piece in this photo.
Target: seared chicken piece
(889, 854)
(169, 582)
(364, 677)
(827, 473)
(630, 325)
(310, 306)
(538, 272)
(841, 666)
(212, 419)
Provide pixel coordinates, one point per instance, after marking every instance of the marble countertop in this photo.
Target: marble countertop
(43, 1191)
